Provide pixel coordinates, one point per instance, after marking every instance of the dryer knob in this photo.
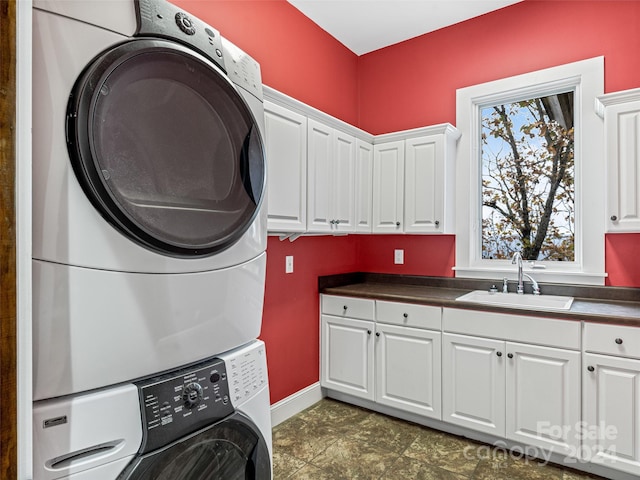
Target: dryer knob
(185, 24)
(192, 395)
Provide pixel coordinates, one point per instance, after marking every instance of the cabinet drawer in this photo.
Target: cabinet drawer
(408, 315)
(348, 307)
(612, 339)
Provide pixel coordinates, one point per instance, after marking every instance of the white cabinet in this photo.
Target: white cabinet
(346, 345)
(286, 152)
(390, 363)
(621, 113)
(473, 390)
(408, 357)
(347, 356)
(413, 188)
(364, 186)
(428, 186)
(331, 184)
(524, 392)
(543, 397)
(388, 187)
(611, 396)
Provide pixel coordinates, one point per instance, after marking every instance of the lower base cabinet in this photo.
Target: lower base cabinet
(391, 364)
(408, 373)
(346, 362)
(537, 381)
(611, 399)
(526, 393)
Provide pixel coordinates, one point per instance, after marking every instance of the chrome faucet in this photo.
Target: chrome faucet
(517, 259)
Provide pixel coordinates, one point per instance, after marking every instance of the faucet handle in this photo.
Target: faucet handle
(505, 285)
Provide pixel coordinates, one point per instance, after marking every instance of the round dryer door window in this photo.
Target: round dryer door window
(166, 148)
(230, 450)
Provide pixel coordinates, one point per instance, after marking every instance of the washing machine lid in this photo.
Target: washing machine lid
(166, 148)
(233, 449)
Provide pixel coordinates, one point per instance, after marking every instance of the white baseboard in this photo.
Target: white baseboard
(294, 404)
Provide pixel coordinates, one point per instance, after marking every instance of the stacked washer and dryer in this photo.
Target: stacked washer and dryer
(149, 241)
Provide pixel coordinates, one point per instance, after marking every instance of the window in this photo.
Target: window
(530, 176)
(528, 201)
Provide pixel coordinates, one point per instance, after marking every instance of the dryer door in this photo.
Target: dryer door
(233, 449)
(165, 148)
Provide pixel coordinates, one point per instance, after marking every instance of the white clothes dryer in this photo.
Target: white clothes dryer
(149, 218)
(206, 422)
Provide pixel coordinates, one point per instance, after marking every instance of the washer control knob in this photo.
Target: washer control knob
(192, 395)
(185, 24)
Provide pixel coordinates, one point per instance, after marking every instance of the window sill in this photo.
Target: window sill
(542, 276)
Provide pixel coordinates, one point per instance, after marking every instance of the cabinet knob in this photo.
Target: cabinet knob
(614, 218)
(499, 354)
(377, 334)
(397, 224)
(437, 223)
(619, 341)
(591, 368)
(405, 315)
(510, 355)
(344, 308)
(337, 222)
(368, 332)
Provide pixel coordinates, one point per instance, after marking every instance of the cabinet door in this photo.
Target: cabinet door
(543, 397)
(320, 164)
(388, 187)
(424, 184)
(286, 151)
(622, 123)
(611, 408)
(364, 186)
(408, 369)
(344, 181)
(346, 363)
(473, 383)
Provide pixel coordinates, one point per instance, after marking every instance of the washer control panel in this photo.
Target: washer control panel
(179, 403)
(162, 19)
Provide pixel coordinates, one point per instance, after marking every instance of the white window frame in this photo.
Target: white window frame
(586, 79)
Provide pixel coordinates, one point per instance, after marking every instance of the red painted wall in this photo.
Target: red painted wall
(414, 83)
(407, 85)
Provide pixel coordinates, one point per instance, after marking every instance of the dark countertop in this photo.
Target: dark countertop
(614, 305)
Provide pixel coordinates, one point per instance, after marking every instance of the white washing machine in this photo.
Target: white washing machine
(149, 219)
(206, 422)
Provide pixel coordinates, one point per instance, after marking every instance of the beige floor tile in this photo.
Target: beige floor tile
(351, 459)
(337, 415)
(386, 432)
(510, 468)
(406, 468)
(455, 454)
(309, 472)
(303, 440)
(285, 465)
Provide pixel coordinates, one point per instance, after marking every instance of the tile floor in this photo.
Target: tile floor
(333, 440)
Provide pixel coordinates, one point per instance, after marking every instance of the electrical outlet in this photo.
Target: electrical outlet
(398, 257)
(288, 264)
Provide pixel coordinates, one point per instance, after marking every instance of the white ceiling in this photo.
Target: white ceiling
(367, 25)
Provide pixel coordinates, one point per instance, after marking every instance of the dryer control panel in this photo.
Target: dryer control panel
(179, 403)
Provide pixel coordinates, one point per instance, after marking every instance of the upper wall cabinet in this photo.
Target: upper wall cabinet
(332, 179)
(413, 181)
(621, 113)
(364, 186)
(286, 151)
(388, 187)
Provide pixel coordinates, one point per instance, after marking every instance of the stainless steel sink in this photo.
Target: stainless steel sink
(513, 300)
